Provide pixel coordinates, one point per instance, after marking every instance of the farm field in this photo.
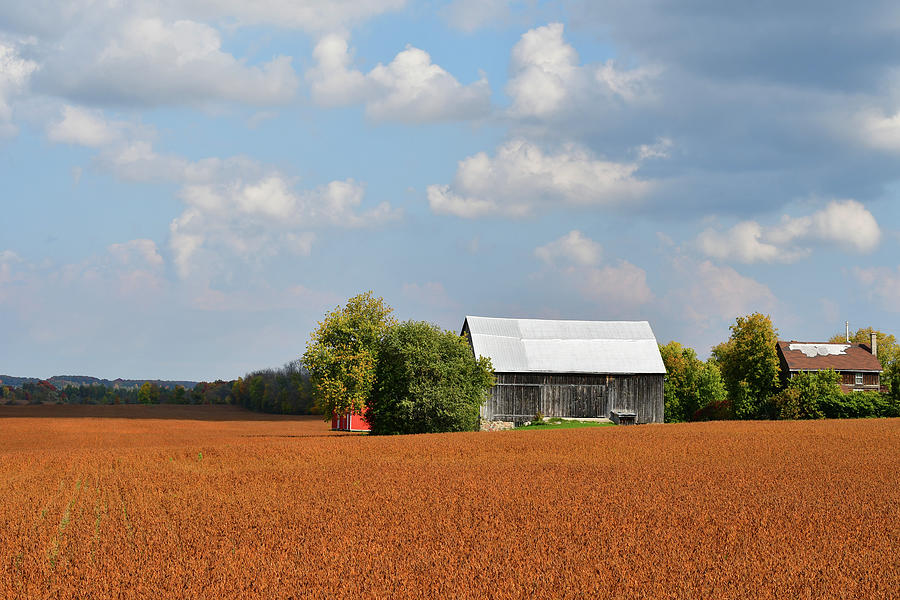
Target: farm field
(212, 502)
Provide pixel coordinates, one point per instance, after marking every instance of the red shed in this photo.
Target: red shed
(349, 422)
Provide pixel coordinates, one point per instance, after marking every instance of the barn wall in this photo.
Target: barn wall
(518, 396)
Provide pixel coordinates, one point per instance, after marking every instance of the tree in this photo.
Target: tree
(342, 353)
(691, 384)
(749, 365)
(888, 353)
(807, 394)
(428, 381)
(180, 395)
(144, 393)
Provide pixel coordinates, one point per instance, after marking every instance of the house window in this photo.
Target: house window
(859, 379)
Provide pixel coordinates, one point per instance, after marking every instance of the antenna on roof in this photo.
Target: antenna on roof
(847, 325)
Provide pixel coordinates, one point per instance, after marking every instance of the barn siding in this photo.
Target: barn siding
(518, 396)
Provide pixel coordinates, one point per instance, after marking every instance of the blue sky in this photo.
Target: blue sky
(187, 187)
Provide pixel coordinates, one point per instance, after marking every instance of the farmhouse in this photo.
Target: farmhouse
(857, 364)
(569, 368)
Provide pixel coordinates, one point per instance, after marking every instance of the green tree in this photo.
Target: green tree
(145, 394)
(180, 395)
(257, 392)
(691, 384)
(888, 353)
(749, 365)
(342, 353)
(428, 381)
(807, 394)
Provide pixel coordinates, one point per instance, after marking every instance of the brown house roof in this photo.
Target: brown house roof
(813, 356)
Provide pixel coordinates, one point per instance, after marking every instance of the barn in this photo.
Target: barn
(569, 368)
(349, 422)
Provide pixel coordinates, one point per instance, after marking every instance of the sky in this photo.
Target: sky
(188, 186)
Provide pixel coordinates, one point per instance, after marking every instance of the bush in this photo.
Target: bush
(807, 395)
(857, 405)
(426, 381)
(715, 411)
(691, 384)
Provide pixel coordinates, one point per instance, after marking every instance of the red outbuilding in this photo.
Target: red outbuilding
(349, 422)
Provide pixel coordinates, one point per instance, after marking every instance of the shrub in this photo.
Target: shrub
(807, 395)
(857, 405)
(427, 381)
(715, 411)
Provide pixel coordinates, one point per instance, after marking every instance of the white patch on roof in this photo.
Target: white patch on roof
(814, 350)
(551, 346)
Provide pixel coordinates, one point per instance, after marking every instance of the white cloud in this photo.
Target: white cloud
(547, 80)
(844, 223)
(15, 73)
(521, 177)
(718, 292)
(876, 129)
(882, 284)
(410, 88)
(576, 258)
(84, 127)
(150, 61)
(623, 286)
(136, 252)
(574, 247)
(253, 220)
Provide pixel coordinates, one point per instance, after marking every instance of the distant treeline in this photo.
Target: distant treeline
(62, 381)
(285, 391)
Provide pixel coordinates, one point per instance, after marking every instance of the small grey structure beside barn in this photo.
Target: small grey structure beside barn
(569, 368)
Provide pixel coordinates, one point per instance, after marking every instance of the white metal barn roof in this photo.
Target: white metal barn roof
(550, 346)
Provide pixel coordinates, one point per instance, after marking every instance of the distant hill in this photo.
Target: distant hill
(61, 381)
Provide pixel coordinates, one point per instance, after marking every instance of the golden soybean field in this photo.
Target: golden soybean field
(215, 502)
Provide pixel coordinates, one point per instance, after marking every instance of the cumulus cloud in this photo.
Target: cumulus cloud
(577, 259)
(252, 220)
(574, 247)
(410, 88)
(15, 73)
(84, 127)
(547, 79)
(844, 223)
(718, 292)
(880, 283)
(876, 129)
(521, 177)
(150, 61)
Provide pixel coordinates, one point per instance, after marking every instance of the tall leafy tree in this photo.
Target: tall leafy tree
(343, 351)
(691, 384)
(749, 365)
(427, 381)
(888, 353)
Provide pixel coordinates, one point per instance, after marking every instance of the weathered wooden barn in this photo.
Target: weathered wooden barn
(569, 368)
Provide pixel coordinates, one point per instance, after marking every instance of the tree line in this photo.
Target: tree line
(742, 380)
(286, 390)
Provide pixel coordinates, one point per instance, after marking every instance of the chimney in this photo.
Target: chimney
(874, 344)
(847, 325)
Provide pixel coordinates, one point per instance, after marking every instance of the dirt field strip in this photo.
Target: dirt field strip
(212, 502)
